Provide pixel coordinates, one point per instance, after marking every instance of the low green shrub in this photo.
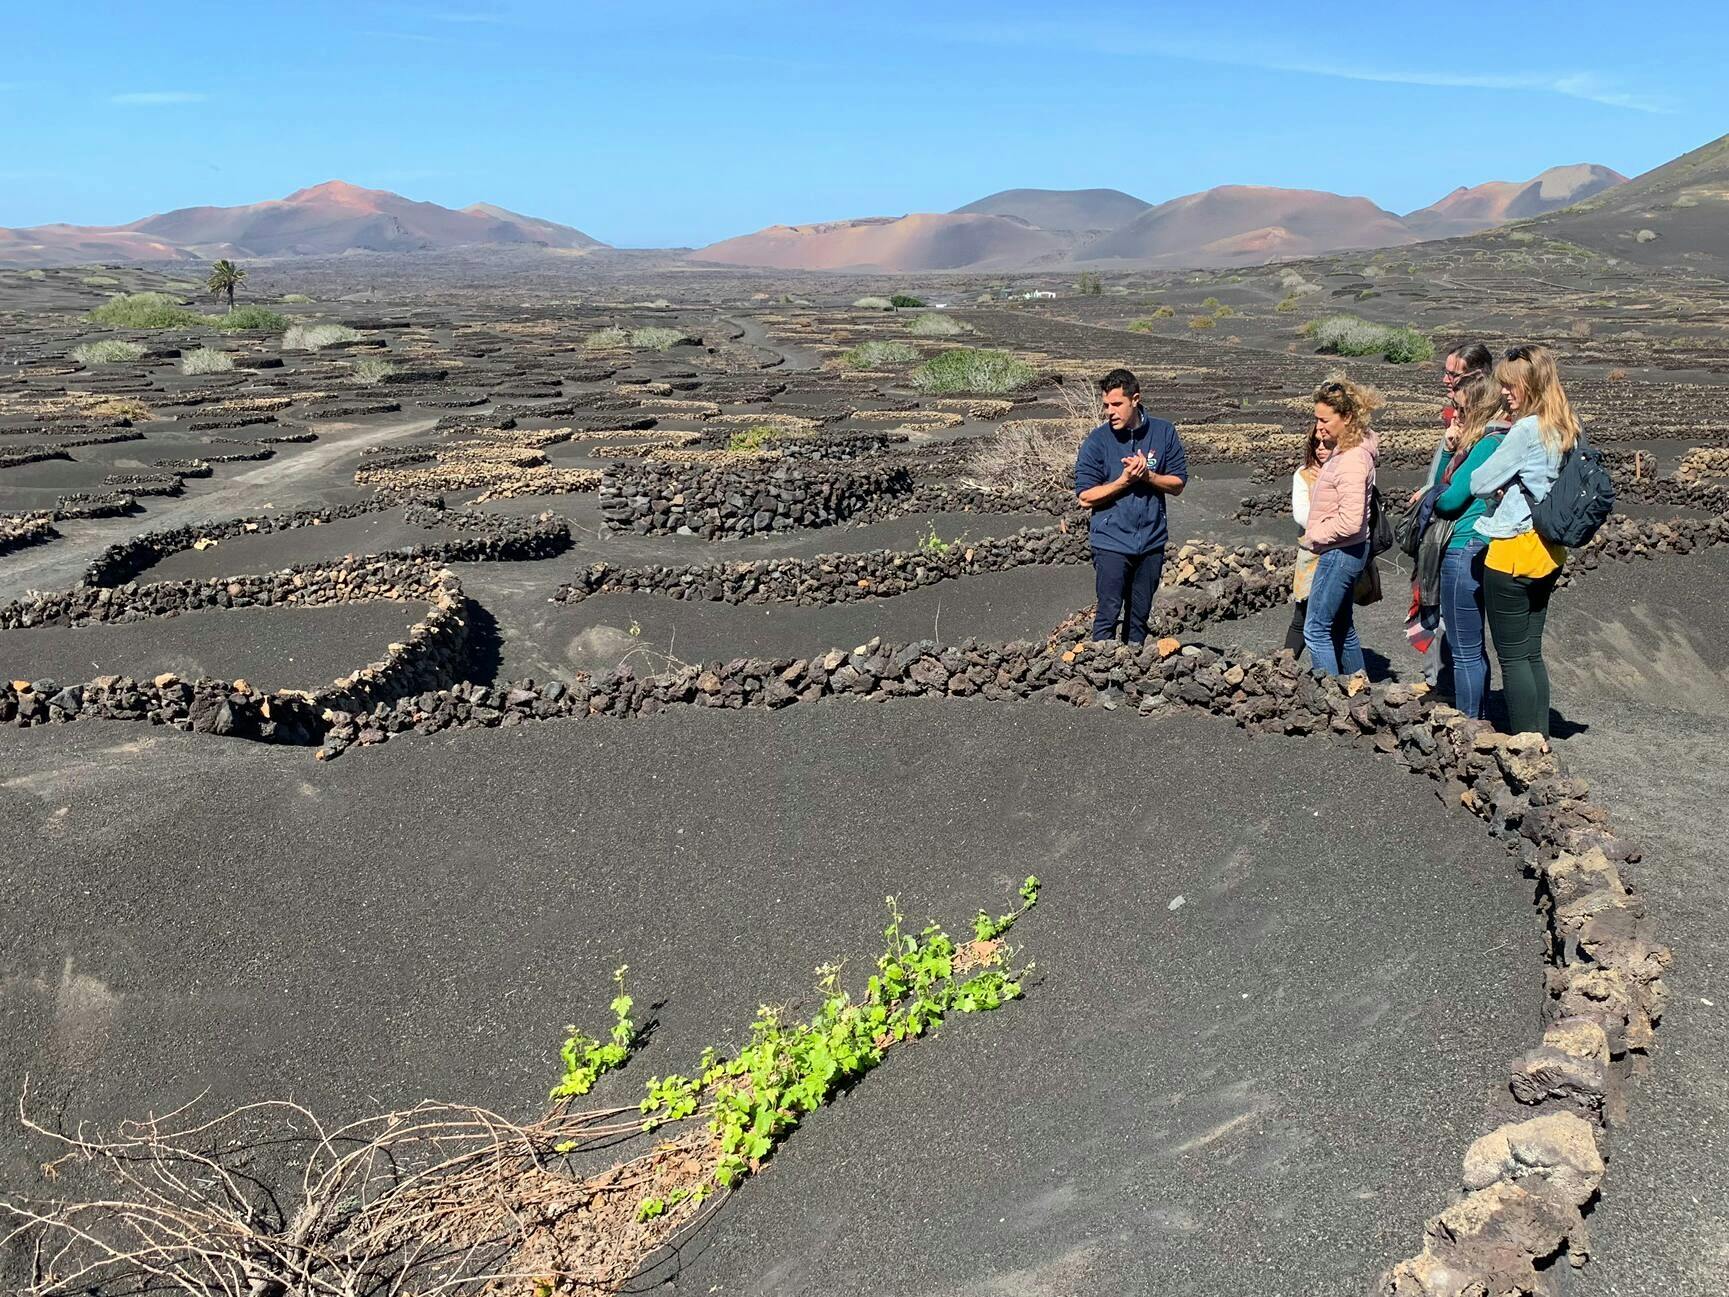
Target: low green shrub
(206, 360)
(874, 304)
(1286, 304)
(372, 369)
(98, 281)
(1222, 312)
(1408, 347)
(1164, 313)
(969, 369)
(606, 339)
(655, 338)
(145, 311)
(315, 337)
(250, 319)
(904, 302)
(1202, 322)
(296, 299)
(1089, 285)
(106, 351)
(878, 354)
(935, 326)
(1347, 335)
(1143, 325)
(1209, 302)
(754, 440)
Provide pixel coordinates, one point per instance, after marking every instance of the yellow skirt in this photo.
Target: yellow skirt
(1526, 554)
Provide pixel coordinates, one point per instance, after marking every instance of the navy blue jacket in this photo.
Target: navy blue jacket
(1133, 521)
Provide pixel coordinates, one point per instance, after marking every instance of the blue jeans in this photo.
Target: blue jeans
(1328, 631)
(1121, 579)
(1462, 610)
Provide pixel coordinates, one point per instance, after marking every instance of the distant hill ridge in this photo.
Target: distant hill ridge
(1231, 225)
(1675, 214)
(1073, 210)
(1013, 229)
(334, 217)
(1467, 210)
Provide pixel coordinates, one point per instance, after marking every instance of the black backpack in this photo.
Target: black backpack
(1580, 501)
(1380, 526)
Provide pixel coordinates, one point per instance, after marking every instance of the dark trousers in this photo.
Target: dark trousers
(1125, 584)
(1517, 607)
(1294, 632)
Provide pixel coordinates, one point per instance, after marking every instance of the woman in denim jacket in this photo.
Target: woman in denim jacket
(1520, 568)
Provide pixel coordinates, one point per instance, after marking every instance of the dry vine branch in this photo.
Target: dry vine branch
(1026, 455)
(444, 1198)
(437, 1198)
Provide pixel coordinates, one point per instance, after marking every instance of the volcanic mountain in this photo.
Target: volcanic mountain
(1238, 225)
(1674, 215)
(334, 217)
(1075, 210)
(922, 241)
(1480, 207)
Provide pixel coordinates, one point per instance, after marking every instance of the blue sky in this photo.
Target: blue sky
(659, 124)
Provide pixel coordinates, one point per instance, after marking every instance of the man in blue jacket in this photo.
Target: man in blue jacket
(1125, 469)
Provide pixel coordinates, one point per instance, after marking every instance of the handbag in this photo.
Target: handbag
(1367, 587)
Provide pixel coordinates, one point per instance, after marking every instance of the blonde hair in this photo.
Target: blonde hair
(1477, 400)
(1531, 372)
(1353, 402)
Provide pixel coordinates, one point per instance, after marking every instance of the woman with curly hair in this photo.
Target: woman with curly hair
(1338, 528)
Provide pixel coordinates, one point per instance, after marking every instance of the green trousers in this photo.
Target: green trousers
(1516, 608)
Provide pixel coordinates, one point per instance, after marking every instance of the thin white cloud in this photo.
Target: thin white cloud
(156, 98)
(1588, 86)
(418, 38)
(1574, 85)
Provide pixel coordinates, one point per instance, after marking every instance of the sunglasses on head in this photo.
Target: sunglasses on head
(1518, 353)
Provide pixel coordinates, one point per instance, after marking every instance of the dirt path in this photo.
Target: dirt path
(793, 358)
(286, 482)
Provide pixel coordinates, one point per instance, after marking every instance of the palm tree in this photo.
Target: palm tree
(225, 277)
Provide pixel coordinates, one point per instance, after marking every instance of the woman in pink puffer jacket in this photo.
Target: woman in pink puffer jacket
(1338, 527)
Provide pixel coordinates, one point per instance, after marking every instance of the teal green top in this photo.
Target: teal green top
(1457, 502)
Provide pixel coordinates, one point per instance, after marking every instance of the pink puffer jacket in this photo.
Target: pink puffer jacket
(1339, 500)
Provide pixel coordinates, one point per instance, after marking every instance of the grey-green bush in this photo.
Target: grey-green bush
(935, 326)
(874, 304)
(969, 369)
(315, 337)
(206, 360)
(106, 351)
(606, 339)
(657, 339)
(878, 354)
(372, 369)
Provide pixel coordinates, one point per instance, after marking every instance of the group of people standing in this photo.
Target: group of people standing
(1480, 558)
